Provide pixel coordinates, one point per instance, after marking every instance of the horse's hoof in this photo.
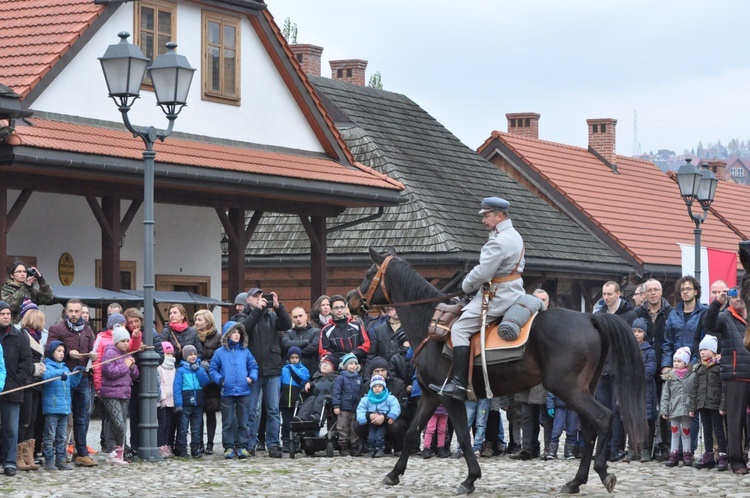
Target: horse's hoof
(465, 489)
(570, 488)
(390, 481)
(609, 482)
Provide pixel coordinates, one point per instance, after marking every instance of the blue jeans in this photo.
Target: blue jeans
(9, 420)
(270, 386)
(376, 437)
(80, 405)
(566, 420)
(477, 412)
(53, 442)
(192, 416)
(234, 410)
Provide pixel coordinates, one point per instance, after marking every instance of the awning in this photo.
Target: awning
(92, 296)
(178, 297)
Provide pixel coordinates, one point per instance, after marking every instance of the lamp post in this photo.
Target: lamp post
(697, 184)
(124, 67)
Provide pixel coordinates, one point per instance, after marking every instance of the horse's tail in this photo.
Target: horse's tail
(625, 357)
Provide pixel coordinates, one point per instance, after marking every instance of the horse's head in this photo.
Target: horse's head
(372, 290)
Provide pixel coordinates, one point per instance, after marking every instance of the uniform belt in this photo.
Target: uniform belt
(505, 278)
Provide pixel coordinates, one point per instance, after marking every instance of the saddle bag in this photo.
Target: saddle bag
(443, 318)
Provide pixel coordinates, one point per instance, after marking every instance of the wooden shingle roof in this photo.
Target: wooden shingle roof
(444, 182)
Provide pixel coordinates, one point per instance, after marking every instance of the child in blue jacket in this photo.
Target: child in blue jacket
(378, 407)
(56, 402)
(189, 381)
(294, 376)
(346, 395)
(233, 368)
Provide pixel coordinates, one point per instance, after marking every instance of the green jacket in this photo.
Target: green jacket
(14, 293)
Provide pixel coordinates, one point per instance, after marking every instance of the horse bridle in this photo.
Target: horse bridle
(379, 278)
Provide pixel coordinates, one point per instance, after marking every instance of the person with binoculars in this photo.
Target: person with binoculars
(20, 285)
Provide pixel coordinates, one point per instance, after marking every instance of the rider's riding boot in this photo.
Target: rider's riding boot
(456, 388)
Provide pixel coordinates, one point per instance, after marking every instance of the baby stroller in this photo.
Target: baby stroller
(305, 433)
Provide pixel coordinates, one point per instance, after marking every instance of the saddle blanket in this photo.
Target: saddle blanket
(497, 349)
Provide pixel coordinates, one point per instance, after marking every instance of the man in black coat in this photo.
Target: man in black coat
(304, 336)
(19, 368)
(386, 340)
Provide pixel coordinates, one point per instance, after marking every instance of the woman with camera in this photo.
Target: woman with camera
(20, 285)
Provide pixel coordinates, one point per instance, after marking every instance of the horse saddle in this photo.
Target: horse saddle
(497, 349)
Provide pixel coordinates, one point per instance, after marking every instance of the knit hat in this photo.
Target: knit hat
(377, 380)
(241, 298)
(378, 362)
(227, 326)
(709, 342)
(332, 359)
(120, 333)
(4, 306)
(294, 350)
(51, 349)
(640, 323)
(683, 354)
(115, 319)
(188, 350)
(348, 357)
(167, 347)
(26, 305)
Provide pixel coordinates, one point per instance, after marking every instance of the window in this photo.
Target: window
(221, 58)
(154, 26)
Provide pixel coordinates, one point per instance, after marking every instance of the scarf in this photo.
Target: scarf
(36, 335)
(179, 327)
(680, 372)
(205, 334)
(75, 327)
(709, 362)
(168, 362)
(377, 398)
(323, 319)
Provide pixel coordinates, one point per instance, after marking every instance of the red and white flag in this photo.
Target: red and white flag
(715, 265)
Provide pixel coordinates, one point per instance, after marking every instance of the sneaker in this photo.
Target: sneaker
(112, 454)
(91, 450)
(209, 449)
(85, 461)
(71, 449)
(164, 452)
(11, 471)
(63, 466)
(427, 453)
(130, 455)
(242, 454)
(50, 466)
(229, 453)
(274, 452)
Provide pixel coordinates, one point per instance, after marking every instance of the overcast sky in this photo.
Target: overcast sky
(682, 65)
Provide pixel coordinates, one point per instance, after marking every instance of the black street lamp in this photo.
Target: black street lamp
(124, 67)
(697, 184)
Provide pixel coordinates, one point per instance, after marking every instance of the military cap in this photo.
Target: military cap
(494, 204)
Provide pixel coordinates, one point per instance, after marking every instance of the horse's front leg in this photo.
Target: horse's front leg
(426, 406)
(457, 413)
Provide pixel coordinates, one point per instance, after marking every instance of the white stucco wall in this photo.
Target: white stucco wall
(268, 114)
(186, 241)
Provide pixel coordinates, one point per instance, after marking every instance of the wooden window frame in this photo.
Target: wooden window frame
(206, 93)
(157, 5)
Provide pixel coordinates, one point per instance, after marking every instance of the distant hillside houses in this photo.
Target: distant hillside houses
(732, 169)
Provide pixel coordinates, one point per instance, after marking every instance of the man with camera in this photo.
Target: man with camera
(20, 286)
(265, 324)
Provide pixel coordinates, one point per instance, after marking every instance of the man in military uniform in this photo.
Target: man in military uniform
(500, 264)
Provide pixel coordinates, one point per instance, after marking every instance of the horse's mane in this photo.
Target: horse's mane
(413, 281)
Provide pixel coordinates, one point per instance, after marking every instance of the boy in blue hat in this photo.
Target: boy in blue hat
(378, 407)
(294, 376)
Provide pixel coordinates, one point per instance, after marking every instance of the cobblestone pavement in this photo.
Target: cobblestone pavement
(346, 476)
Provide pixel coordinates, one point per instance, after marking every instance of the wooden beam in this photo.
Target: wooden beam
(110, 211)
(101, 218)
(135, 205)
(18, 206)
(3, 226)
(318, 257)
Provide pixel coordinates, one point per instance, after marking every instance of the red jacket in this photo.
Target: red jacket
(343, 336)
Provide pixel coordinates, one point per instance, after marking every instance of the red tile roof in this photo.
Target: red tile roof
(640, 208)
(34, 34)
(87, 139)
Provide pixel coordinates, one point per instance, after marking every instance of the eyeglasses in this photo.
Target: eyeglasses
(20, 271)
(338, 308)
(638, 294)
(686, 289)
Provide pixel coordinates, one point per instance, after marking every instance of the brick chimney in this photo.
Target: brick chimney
(308, 57)
(523, 124)
(718, 168)
(351, 70)
(602, 137)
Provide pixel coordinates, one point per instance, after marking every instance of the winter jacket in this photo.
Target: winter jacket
(679, 332)
(707, 392)
(649, 371)
(232, 364)
(344, 336)
(346, 389)
(554, 402)
(306, 338)
(400, 366)
(264, 329)
(3, 373)
(189, 384)
(388, 407)
(624, 311)
(322, 384)
(165, 377)
(14, 293)
(211, 392)
(675, 394)
(117, 378)
(293, 379)
(82, 341)
(655, 332)
(37, 356)
(19, 365)
(103, 340)
(56, 398)
(537, 395)
(384, 342)
(730, 329)
(189, 336)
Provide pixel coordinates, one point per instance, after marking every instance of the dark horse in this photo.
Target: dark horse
(565, 352)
